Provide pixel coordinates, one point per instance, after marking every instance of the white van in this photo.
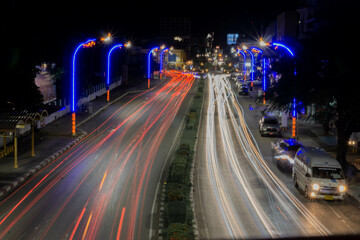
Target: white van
(318, 174)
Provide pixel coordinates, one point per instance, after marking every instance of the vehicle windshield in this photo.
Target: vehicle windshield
(293, 148)
(328, 173)
(271, 121)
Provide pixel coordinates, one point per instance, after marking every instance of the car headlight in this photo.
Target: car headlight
(342, 188)
(316, 187)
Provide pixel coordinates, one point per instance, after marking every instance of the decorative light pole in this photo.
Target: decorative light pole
(148, 63)
(294, 112)
(264, 78)
(87, 44)
(108, 71)
(244, 56)
(252, 68)
(161, 60)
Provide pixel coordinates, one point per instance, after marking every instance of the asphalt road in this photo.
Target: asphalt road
(103, 187)
(239, 191)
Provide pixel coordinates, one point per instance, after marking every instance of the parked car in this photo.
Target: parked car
(284, 151)
(269, 126)
(243, 90)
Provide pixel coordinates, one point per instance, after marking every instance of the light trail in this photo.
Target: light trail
(118, 156)
(284, 206)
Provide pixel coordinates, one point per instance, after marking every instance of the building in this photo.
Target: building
(209, 42)
(287, 25)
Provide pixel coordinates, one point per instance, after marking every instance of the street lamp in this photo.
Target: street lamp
(252, 68)
(87, 44)
(161, 60)
(108, 71)
(264, 78)
(244, 56)
(283, 46)
(148, 63)
(294, 113)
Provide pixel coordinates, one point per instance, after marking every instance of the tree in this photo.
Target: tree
(326, 73)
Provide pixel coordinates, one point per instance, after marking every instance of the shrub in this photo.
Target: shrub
(174, 192)
(184, 149)
(176, 211)
(179, 231)
(178, 168)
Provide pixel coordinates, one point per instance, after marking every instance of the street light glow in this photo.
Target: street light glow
(152, 51)
(283, 46)
(161, 58)
(88, 43)
(108, 71)
(107, 38)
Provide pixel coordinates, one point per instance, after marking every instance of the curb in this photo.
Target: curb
(7, 189)
(4, 191)
(352, 195)
(163, 190)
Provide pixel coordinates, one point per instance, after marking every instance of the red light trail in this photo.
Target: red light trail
(89, 187)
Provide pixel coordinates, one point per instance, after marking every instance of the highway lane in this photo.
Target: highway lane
(340, 217)
(103, 187)
(238, 191)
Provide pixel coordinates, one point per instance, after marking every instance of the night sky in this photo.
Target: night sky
(135, 20)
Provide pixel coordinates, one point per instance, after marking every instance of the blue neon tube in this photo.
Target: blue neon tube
(244, 56)
(252, 65)
(161, 58)
(264, 77)
(149, 54)
(294, 107)
(73, 73)
(257, 49)
(283, 46)
(108, 65)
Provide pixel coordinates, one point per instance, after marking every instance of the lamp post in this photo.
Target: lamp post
(161, 60)
(263, 61)
(108, 71)
(252, 68)
(148, 63)
(294, 112)
(88, 43)
(264, 78)
(244, 56)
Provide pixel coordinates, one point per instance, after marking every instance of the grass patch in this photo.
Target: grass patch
(178, 215)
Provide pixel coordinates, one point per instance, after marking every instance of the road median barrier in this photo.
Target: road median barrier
(177, 211)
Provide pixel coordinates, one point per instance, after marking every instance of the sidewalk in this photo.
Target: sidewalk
(52, 140)
(312, 134)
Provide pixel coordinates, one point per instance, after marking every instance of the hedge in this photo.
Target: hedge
(178, 215)
(179, 231)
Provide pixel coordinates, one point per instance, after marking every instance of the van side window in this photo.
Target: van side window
(283, 146)
(299, 154)
(302, 158)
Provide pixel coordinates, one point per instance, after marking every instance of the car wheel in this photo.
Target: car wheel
(306, 192)
(295, 182)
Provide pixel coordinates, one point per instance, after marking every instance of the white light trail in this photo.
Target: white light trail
(230, 117)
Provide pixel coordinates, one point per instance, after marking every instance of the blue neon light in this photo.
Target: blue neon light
(252, 65)
(149, 54)
(264, 76)
(294, 107)
(244, 55)
(283, 46)
(161, 58)
(257, 49)
(73, 73)
(108, 63)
